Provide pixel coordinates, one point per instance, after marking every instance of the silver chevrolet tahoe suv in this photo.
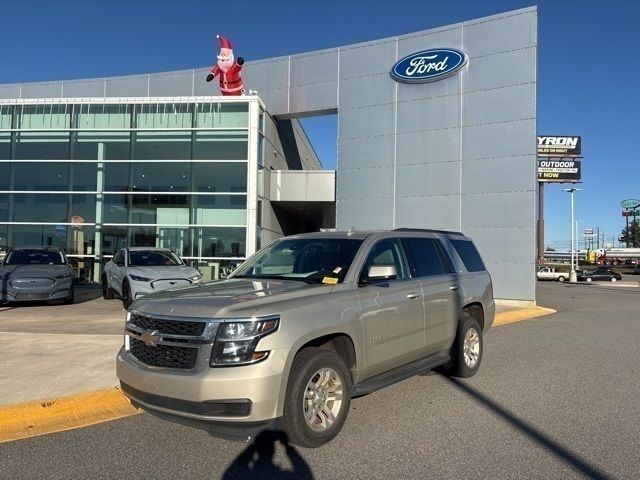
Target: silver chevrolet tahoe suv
(304, 325)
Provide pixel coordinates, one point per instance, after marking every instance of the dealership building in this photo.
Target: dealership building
(156, 160)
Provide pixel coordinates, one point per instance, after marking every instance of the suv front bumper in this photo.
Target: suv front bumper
(221, 398)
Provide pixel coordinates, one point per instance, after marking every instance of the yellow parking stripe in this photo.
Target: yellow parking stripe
(48, 416)
(520, 314)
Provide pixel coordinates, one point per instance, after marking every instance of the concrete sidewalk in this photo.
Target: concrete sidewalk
(50, 351)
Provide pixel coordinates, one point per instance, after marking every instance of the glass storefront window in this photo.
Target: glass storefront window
(164, 115)
(116, 177)
(115, 209)
(82, 208)
(221, 145)
(4, 207)
(102, 145)
(50, 176)
(162, 146)
(220, 177)
(42, 146)
(113, 239)
(5, 175)
(161, 209)
(84, 176)
(161, 177)
(75, 241)
(219, 242)
(4, 240)
(40, 207)
(222, 115)
(220, 209)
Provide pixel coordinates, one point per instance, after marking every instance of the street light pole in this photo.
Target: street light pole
(573, 277)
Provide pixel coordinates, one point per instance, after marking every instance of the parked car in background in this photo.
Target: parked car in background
(137, 271)
(602, 273)
(550, 273)
(36, 274)
(304, 325)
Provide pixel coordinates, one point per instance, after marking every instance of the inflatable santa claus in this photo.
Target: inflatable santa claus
(228, 69)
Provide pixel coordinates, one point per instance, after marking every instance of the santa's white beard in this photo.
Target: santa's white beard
(225, 63)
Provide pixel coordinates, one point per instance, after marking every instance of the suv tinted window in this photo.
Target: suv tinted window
(386, 252)
(469, 255)
(425, 257)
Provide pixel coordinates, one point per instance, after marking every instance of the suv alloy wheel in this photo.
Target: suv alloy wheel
(318, 397)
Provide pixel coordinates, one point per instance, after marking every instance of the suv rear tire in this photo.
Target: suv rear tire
(317, 399)
(467, 348)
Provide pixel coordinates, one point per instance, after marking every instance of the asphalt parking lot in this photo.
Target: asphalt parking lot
(556, 397)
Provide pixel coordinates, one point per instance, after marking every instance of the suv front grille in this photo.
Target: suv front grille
(168, 327)
(165, 356)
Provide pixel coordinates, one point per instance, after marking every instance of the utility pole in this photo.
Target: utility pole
(573, 277)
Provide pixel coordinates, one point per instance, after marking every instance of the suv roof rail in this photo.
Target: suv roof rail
(427, 230)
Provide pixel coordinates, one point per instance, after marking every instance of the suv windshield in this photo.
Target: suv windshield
(153, 258)
(312, 260)
(34, 257)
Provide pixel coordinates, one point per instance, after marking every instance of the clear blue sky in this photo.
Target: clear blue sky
(588, 73)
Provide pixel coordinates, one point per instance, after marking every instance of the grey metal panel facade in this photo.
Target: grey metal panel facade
(457, 153)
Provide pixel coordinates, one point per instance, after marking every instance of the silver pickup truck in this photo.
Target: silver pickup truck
(304, 325)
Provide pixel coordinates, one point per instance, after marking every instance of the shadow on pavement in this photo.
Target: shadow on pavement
(564, 454)
(257, 460)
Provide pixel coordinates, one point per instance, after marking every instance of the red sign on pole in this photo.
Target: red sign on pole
(626, 213)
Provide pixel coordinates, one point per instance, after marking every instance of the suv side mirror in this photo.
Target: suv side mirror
(382, 272)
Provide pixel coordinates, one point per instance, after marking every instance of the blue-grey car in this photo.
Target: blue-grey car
(36, 274)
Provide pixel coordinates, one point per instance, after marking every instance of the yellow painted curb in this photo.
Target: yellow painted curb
(520, 314)
(48, 416)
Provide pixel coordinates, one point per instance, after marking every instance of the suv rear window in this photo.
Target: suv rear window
(469, 255)
(426, 257)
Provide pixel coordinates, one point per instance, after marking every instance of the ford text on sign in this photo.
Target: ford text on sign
(428, 65)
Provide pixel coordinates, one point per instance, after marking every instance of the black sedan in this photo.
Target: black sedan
(602, 273)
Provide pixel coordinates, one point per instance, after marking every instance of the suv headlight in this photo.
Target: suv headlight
(138, 278)
(236, 340)
(196, 278)
(63, 275)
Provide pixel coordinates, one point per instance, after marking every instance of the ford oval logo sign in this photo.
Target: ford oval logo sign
(428, 65)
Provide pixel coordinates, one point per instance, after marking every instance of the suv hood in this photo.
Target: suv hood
(29, 271)
(224, 298)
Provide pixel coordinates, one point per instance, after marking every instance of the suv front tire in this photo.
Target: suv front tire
(317, 399)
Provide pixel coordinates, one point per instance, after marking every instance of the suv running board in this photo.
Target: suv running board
(398, 374)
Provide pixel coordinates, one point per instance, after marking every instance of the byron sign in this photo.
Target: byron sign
(428, 65)
(554, 145)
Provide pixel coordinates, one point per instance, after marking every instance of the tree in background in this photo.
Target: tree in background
(627, 236)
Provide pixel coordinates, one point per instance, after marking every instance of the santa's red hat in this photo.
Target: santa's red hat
(224, 42)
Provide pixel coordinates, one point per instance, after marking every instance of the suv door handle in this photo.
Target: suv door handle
(411, 296)
(454, 288)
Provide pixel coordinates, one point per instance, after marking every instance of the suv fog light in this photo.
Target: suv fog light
(236, 340)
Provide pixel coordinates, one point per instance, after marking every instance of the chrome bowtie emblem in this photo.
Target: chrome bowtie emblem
(151, 339)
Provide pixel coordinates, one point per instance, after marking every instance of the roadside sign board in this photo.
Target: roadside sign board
(559, 170)
(559, 145)
(630, 213)
(588, 232)
(626, 213)
(630, 203)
